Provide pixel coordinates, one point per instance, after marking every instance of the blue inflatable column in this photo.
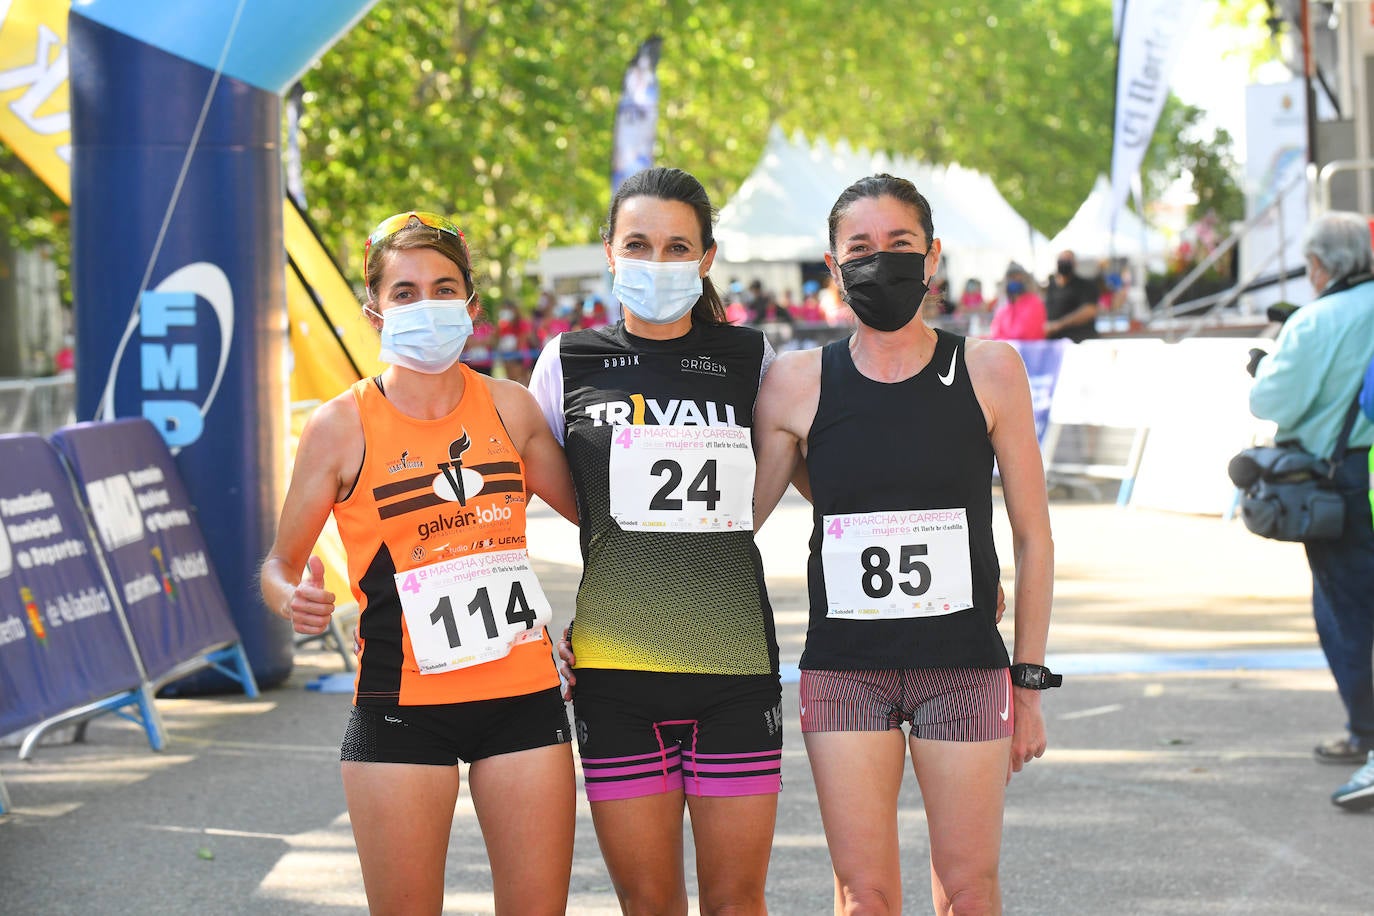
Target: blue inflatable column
(178, 260)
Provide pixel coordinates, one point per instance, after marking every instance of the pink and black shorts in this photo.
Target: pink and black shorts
(942, 704)
(647, 732)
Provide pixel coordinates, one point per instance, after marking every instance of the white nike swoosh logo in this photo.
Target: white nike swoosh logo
(1006, 705)
(948, 379)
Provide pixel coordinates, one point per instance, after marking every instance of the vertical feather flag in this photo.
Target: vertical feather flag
(636, 117)
(1151, 34)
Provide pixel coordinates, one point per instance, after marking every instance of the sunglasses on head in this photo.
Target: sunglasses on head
(394, 224)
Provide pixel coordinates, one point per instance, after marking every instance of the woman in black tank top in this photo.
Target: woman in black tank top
(678, 700)
(892, 434)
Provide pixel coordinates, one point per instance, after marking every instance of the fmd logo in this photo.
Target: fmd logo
(171, 326)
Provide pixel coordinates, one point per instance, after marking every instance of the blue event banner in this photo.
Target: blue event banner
(152, 541)
(1042, 359)
(62, 644)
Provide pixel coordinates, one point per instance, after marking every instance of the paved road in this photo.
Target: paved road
(1169, 788)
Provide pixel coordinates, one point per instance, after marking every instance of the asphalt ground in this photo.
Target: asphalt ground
(1179, 777)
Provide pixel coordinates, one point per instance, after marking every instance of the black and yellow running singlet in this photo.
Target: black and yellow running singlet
(657, 436)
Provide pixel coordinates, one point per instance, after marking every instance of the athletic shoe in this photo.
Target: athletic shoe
(1358, 793)
(1346, 749)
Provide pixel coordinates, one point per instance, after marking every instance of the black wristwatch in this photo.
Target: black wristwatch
(1035, 677)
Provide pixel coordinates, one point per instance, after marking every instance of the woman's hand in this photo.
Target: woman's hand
(1028, 739)
(566, 662)
(310, 605)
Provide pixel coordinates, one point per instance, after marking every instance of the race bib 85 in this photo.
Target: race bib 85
(894, 565)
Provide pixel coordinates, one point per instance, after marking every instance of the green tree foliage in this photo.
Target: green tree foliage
(501, 112)
(1254, 29)
(1186, 148)
(33, 215)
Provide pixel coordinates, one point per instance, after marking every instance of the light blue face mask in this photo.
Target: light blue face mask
(426, 336)
(660, 292)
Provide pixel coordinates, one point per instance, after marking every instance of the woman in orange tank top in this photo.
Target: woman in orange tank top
(427, 469)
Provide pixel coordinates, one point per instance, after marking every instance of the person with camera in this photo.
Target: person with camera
(1306, 386)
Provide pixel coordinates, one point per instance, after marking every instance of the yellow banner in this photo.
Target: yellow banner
(330, 340)
(35, 109)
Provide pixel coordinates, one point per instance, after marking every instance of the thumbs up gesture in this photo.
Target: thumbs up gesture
(311, 605)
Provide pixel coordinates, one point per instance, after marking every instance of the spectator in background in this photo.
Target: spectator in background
(560, 319)
(1022, 315)
(64, 361)
(834, 311)
(938, 301)
(536, 332)
(594, 313)
(736, 312)
(759, 302)
(771, 314)
(788, 304)
(512, 334)
(544, 307)
(971, 299)
(478, 352)
(1306, 386)
(810, 308)
(1111, 293)
(1070, 302)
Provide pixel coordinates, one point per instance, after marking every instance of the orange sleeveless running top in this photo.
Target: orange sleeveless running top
(397, 519)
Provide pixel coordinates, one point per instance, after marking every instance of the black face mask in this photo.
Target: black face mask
(885, 288)
(1065, 268)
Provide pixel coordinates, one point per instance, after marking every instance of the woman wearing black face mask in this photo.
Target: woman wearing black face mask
(1070, 303)
(898, 427)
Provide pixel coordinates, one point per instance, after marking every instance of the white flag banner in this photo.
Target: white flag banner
(1152, 32)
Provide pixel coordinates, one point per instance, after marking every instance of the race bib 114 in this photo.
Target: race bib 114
(471, 609)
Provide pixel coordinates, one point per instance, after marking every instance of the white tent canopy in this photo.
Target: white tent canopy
(1089, 235)
(781, 210)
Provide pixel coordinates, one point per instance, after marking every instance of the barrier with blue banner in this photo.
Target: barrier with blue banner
(1042, 359)
(156, 554)
(65, 651)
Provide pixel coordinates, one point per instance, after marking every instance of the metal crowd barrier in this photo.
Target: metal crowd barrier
(37, 405)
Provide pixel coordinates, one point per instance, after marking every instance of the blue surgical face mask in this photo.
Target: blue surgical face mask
(1015, 288)
(426, 336)
(660, 292)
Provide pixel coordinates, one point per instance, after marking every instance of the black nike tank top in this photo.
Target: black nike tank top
(903, 571)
